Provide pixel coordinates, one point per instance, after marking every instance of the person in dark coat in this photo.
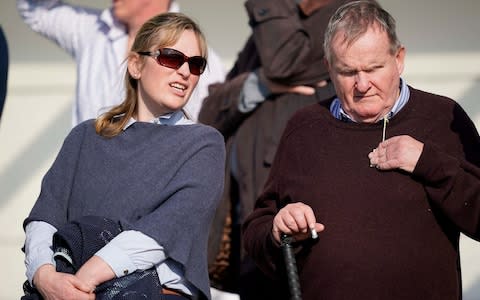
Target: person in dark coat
(280, 69)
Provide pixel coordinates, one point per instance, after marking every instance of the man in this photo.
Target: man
(279, 70)
(99, 42)
(387, 175)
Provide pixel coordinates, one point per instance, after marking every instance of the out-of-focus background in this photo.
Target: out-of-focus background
(443, 56)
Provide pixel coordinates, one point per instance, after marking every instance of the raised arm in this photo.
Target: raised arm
(67, 25)
(289, 41)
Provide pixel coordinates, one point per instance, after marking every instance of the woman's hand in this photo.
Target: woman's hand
(54, 285)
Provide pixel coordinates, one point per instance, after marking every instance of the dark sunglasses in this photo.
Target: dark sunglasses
(174, 59)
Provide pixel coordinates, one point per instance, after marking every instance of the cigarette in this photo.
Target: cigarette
(313, 232)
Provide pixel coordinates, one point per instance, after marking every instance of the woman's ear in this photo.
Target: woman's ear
(135, 66)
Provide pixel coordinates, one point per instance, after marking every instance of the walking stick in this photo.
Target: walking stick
(291, 267)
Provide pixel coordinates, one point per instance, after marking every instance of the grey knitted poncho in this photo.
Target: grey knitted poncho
(164, 181)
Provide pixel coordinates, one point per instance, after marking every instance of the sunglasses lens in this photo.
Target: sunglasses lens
(171, 60)
(197, 65)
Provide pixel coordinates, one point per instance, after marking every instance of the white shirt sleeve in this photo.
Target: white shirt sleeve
(127, 252)
(253, 93)
(38, 246)
(67, 25)
(130, 251)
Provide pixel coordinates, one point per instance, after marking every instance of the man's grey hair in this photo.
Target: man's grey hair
(353, 19)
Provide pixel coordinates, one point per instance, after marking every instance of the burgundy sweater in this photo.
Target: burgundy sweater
(389, 234)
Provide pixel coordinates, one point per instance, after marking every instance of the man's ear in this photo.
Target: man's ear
(135, 66)
(400, 59)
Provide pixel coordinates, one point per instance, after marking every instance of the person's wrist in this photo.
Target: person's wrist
(42, 272)
(94, 272)
(89, 277)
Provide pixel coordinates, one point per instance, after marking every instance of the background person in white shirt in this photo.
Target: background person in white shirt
(99, 40)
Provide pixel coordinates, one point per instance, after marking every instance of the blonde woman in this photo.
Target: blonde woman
(142, 164)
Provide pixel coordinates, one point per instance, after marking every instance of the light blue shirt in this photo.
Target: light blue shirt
(127, 252)
(253, 93)
(173, 118)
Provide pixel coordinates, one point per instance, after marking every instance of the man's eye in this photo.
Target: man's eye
(347, 73)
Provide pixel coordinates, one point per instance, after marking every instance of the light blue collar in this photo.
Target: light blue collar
(170, 119)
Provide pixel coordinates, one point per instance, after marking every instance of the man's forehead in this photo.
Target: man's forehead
(343, 39)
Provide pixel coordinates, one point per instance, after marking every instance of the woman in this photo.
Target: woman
(142, 164)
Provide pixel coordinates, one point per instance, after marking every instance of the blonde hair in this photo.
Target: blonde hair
(160, 31)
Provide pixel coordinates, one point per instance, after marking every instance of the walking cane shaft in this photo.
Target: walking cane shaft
(291, 267)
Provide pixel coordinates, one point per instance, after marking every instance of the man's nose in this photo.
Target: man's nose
(362, 82)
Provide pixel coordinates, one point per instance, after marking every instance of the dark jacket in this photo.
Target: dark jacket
(288, 45)
(77, 241)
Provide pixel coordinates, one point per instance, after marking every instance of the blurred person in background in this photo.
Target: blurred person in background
(280, 69)
(99, 40)
(4, 63)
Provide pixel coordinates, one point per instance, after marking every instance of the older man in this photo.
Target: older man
(388, 174)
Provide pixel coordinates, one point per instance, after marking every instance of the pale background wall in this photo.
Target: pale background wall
(443, 57)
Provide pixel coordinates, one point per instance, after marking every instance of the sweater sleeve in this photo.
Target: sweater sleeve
(257, 237)
(290, 52)
(453, 184)
(221, 108)
(449, 166)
